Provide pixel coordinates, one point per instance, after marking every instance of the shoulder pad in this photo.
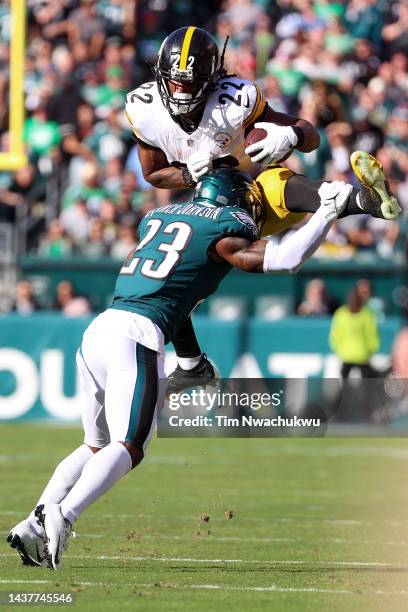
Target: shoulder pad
(139, 110)
(230, 90)
(242, 96)
(254, 104)
(236, 221)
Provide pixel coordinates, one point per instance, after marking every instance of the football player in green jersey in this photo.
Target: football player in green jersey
(202, 118)
(184, 252)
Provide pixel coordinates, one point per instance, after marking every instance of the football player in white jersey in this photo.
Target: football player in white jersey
(195, 117)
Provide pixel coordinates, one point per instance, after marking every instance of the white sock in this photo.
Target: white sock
(188, 363)
(63, 479)
(100, 474)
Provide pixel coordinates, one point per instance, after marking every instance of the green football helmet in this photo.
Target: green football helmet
(227, 187)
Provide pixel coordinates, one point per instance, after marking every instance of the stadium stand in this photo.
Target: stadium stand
(83, 190)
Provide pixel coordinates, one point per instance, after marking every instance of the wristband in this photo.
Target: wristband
(300, 136)
(187, 178)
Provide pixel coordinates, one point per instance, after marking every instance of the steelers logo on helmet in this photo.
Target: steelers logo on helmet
(253, 197)
(230, 187)
(188, 56)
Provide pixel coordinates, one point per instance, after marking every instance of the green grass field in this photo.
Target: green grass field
(317, 525)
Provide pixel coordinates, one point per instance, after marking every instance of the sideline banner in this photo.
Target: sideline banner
(37, 362)
(37, 357)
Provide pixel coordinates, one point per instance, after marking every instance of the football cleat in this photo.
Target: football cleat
(30, 546)
(375, 197)
(56, 531)
(201, 375)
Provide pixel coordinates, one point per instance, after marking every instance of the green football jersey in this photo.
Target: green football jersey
(170, 271)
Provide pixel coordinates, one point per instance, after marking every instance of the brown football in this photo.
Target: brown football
(255, 135)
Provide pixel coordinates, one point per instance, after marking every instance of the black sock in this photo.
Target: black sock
(301, 195)
(185, 342)
(352, 208)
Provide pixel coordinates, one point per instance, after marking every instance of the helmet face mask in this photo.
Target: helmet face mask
(188, 55)
(182, 103)
(226, 187)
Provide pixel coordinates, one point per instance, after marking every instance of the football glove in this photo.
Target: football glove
(333, 198)
(199, 163)
(279, 141)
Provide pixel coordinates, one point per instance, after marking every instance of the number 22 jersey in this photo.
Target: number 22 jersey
(230, 108)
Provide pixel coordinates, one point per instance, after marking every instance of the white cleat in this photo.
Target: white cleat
(30, 546)
(56, 531)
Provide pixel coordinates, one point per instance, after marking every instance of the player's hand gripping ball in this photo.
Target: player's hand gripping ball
(255, 135)
(269, 143)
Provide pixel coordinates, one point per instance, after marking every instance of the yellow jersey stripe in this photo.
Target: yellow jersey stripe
(186, 47)
(135, 130)
(129, 119)
(254, 108)
(254, 113)
(258, 108)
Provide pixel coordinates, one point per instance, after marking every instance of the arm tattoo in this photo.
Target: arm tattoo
(168, 178)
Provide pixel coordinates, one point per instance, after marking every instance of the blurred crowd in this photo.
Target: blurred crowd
(318, 300)
(340, 64)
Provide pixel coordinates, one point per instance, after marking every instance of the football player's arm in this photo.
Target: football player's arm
(266, 256)
(311, 138)
(158, 172)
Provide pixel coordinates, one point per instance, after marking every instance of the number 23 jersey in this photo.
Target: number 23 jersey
(170, 271)
(231, 107)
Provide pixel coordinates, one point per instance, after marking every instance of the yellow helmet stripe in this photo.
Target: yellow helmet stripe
(186, 47)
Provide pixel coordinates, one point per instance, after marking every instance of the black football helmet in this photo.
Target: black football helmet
(187, 55)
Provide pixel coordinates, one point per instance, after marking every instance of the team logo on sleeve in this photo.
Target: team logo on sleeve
(246, 220)
(222, 139)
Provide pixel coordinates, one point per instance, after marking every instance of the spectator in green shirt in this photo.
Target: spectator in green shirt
(40, 134)
(55, 245)
(354, 336)
(89, 189)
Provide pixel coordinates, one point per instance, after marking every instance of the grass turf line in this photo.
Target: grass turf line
(317, 508)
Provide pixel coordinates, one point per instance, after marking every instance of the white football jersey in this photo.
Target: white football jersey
(230, 108)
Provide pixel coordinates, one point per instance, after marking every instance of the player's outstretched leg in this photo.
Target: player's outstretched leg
(193, 367)
(301, 195)
(375, 195)
(100, 473)
(26, 537)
